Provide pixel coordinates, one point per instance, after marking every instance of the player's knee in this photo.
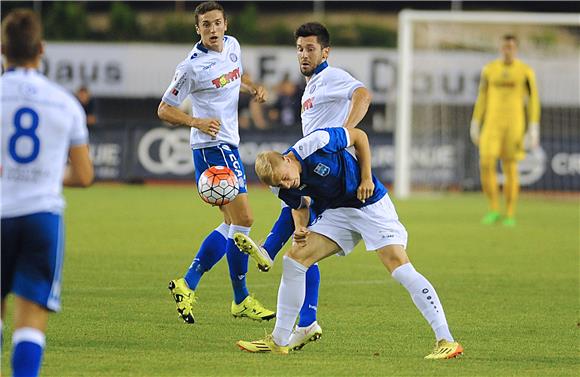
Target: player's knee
(393, 256)
(245, 219)
(487, 163)
(300, 255)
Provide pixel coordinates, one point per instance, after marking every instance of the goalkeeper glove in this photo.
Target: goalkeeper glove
(532, 137)
(474, 132)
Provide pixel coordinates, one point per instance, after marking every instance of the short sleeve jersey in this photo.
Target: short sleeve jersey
(40, 122)
(330, 174)
(326, 99)
(213, 80)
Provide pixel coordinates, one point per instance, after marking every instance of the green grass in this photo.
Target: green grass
(510, 295)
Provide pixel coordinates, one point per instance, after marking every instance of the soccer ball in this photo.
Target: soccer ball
(218, 185)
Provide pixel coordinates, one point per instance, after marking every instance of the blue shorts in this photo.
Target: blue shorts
(32, 256)
(222, 155)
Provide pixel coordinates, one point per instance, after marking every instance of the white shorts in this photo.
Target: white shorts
(377, 224)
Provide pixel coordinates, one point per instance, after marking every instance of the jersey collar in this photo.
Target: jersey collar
(201, 47)
(21, 69)
(321, 67)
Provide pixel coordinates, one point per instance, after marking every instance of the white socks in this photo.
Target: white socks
(425, 298)
(28, 334)
(290, 299)
(245, 230)
(223, 229)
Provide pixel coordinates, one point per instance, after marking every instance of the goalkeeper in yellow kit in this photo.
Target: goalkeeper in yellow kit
(507, 99)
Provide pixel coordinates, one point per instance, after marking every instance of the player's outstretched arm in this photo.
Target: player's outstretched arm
(173, 115)
(360, 141)
(79, 172)
(258, 91)
(360, 102)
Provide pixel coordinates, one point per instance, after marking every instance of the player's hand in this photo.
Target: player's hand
(259, 93)
(474, 133)
(365, 189)
(208, 126)
(300, 236)
(532, 137)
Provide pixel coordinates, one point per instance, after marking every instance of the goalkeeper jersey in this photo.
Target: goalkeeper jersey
(505, 91)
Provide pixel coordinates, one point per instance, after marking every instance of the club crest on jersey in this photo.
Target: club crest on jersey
(233, 57)
(226, 78)
(322, 170)
(308, 104)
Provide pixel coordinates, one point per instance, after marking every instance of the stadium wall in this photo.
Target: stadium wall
(144, 70)
(135, 153)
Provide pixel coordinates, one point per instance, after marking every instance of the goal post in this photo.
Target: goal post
(407, 63)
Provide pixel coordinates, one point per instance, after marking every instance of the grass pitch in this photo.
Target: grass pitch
(510, 295)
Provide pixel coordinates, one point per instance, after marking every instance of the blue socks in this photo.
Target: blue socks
(210, 252)
(280, 233)
(310, 305)
(27, 349)
(238, 264)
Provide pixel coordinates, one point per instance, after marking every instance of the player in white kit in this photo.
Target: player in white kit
(332, 98)
(42, 127)
(212, 75)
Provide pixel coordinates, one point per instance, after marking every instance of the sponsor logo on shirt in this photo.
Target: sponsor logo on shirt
(308, 104)
(505, 84)
(208, 66)
(226, 78)
(180, 81)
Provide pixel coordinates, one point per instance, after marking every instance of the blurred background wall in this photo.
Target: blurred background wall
(120, 56)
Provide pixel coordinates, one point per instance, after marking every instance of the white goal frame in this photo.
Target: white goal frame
(407, 19)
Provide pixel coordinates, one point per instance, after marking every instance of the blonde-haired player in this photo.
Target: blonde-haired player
(506, 88)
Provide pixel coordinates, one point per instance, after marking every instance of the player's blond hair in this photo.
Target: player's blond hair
(266, 165)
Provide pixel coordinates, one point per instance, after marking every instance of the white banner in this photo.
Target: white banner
(145, 70)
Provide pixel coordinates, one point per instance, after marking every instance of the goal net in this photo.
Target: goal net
(441, 55)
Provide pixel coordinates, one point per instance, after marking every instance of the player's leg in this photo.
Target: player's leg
(213, 247)
(512, 152)
(381, 230)
(28, 339)
(291, 292)
(281, 232)
(240, 213)
(489, 147)
(36, 284)
(211, 250)
(425, 298)
(511, 190)
(241, 216)
(307, 329)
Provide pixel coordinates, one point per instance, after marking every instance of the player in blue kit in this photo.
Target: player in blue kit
(332, 98)
(355, 205)
(212, 75)
(42, 126)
